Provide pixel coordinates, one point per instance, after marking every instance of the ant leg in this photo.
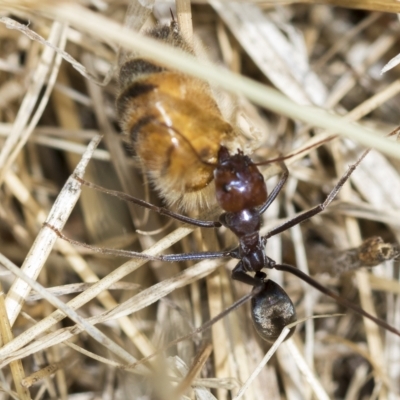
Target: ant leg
(320, 207)
(206, 255)
(239, 274)
(340, 300)
(145, 204)
(203, 327)
(285, 174)
(277, 188)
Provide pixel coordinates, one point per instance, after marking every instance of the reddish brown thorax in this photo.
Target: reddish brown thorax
(239, 184)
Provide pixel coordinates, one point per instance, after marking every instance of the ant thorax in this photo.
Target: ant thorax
(240, 190)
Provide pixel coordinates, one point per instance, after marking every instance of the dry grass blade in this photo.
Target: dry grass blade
(195, 369)
(260, 94)
(94, 332)
(21, 129)
(371, 5)
(46, 372)
(45, 240)
(17, 369)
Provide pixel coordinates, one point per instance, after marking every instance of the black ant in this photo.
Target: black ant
(241, 192)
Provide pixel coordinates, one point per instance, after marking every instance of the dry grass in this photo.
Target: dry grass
(326, 61)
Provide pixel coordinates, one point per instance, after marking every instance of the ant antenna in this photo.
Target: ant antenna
(283, 158)
(396, 131)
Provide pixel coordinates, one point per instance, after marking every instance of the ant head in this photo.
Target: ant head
(239, 184)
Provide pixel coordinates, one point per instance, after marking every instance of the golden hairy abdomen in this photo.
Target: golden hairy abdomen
(175, 126)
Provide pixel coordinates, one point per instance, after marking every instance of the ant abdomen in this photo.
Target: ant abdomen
(271, 311)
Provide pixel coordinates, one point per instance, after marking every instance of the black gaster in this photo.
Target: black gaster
(271, 311)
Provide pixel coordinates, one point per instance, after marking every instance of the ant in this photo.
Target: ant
(241, 192)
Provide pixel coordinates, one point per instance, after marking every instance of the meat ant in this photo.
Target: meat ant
(241, 193)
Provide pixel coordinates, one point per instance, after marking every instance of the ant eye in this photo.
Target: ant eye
(226, 188)
(260, 177)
